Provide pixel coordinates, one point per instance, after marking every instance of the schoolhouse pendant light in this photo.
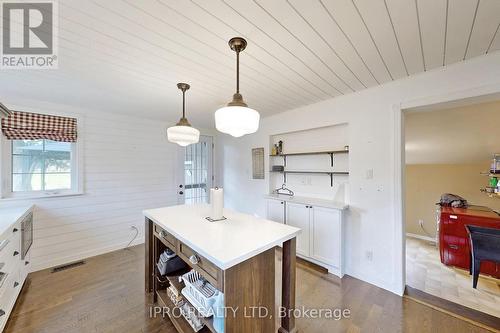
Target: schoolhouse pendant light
(237, 119)
(182, 133)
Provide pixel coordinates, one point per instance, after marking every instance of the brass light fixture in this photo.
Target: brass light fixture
(182, 133)
(237, 119)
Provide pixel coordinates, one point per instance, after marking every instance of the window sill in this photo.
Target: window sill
(40, 196)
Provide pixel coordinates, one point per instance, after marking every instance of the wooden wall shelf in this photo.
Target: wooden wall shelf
(329, 173)
(329, 152)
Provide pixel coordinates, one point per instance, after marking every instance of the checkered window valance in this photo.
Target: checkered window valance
(33, 126)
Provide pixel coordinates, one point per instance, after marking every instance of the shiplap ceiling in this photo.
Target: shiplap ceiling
(126, 55)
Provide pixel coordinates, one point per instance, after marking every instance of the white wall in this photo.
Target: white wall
(374, 223)
(312, 185)
(129, 166)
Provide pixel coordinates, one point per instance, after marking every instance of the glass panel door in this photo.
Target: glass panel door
(198, 171)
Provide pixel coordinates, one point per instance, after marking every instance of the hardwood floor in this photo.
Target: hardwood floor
(107, 295)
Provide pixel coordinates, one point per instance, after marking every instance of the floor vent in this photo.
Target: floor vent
(68, 266)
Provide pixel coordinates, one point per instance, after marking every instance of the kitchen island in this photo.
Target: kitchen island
(236, 256)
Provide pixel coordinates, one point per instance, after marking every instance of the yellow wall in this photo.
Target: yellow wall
(426, 182)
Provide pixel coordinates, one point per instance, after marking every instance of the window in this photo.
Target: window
(39, 156)
(198, 171)
(41, 165)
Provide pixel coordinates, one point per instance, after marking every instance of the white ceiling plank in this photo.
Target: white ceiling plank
(251, 31)
(495, 42)
(298, 26)
(259, 57)
(378, 21)
(485, 27)
(461, 14)
(333, 36)
(126, 56)
(404, 17)
(287, 42)
(432, 14)
(348, 19)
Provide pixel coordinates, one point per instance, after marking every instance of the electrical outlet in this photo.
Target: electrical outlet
(369, 255)
(421, 223)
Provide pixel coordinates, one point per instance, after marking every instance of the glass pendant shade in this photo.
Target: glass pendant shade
(237, 119)
(182, 133)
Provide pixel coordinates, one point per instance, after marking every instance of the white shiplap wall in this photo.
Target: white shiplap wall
(129, 166)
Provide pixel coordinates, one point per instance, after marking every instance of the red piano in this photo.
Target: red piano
(454, 245)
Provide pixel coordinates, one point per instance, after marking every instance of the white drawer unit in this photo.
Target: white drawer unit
(14, 269)
(322, 238)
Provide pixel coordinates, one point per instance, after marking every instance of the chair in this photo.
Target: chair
(485, 245)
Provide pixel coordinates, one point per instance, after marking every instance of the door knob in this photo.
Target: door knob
(181, 186)
(181, 193)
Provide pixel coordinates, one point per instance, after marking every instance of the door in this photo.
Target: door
(196, 172)
(297, 215)
(326, 235)
(276, 210)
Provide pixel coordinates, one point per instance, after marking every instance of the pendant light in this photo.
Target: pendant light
(182, 133)
(237, 119)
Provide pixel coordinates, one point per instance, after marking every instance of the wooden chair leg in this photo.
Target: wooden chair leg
(475, 269)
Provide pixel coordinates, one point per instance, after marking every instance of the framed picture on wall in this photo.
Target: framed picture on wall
(258, 163)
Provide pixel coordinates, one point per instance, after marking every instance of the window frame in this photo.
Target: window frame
(6, 192)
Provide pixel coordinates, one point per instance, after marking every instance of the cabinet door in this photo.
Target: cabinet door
(326, 235)
(276, 210)
(298, 215)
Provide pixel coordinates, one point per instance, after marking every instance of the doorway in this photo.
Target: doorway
(448, 148)
(196, 171)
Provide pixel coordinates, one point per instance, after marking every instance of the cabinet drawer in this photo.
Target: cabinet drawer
(165, 236)
(211, 272)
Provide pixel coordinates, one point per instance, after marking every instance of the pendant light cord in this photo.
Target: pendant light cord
(183, 103)
(237, 72)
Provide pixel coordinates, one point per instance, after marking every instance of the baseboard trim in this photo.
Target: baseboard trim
(426, 238)
(38, 266)
(456, 310)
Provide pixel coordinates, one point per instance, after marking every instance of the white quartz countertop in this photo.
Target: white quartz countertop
(225, 243)
(9, 216)
(309, 201)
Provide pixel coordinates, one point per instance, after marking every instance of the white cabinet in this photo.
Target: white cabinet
(321, 239)
(275, 210)
(326, 236)
(298, 215)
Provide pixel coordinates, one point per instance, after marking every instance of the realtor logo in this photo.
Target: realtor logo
(29, 39)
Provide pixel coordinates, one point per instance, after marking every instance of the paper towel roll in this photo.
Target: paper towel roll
(217, 203)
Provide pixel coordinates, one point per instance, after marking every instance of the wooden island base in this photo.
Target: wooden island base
(248, 287)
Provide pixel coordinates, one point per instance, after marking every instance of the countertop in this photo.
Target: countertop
(309, 201)
(225, 243)
(9, 216)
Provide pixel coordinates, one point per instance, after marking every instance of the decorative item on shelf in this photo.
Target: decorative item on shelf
(495, 164)
(182, 133)
(346, 148)
(280, 147)
(237, 119)
(216, 205)
(274, 151)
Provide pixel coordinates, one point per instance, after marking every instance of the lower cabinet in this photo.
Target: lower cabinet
(326, 236)
(298, 215)
(321, 239)
(275, 210)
